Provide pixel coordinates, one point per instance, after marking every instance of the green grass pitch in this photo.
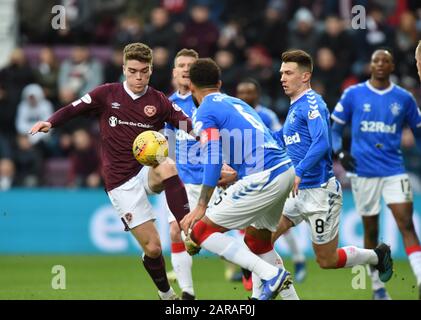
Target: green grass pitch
(123, 277)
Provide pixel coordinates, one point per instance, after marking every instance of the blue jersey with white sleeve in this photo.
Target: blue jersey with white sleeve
(377, 118)
(307, 137)
(232, 132)
(187, 149)
(270, 119)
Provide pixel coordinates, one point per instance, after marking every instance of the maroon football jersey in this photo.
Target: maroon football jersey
(122, 116)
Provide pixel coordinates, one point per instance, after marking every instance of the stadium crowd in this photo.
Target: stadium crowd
(51, 68)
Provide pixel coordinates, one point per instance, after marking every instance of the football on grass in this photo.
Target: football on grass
(150, 148)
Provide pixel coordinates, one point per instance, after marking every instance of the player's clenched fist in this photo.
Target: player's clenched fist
(40, 126)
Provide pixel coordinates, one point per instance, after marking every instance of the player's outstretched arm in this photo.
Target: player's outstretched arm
(40, 126)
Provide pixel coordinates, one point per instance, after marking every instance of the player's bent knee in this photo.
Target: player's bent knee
(152, 250)
(166, 169)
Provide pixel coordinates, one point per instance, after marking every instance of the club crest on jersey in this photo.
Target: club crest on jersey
(395, 108)
(112, 121)
(292, 117)
(149, 110)
(128, 217)
(313, 114)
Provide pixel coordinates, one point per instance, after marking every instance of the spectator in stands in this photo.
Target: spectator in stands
(32, 108)
(337, 39)
(302, 33)
(230, 71)
(160, 32)
(78, 75)
(16, 75)
(46, 74)
(406, 41)
(85, 163)
(271, 23)
(130, 29)
(232, 38)
(329, 74)
(200, 33)
(7, 114)
(28, 162)
(113, 71)
(161, 69)
(259, 65)
(376, 34)
(7, 167)
(79, 22)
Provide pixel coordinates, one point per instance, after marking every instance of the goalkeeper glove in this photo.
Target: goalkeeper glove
(347, 161)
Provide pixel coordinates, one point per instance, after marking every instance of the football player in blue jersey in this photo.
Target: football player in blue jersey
(377, 111)
(249, 91)
(190, 172)
(316, 196)
(232, 132)
(187, 155)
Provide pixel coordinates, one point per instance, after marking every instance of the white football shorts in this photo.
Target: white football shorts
(131, 201)
(367, 192)
(320, 208)
(256, 200)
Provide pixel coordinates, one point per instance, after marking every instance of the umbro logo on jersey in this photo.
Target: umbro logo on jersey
(115, 105)
(366, 107)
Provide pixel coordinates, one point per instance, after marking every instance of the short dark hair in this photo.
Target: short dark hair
(205, 73)
(302, 58)
(253, 82)
(186, 53)
(385, 49)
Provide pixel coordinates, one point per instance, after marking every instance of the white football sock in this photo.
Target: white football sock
(356, 256)
(275, 259)
(182, 265)
(376, 283)
(415, 262)
(233, 251)
(297, 254)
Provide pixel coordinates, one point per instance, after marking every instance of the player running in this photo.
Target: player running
(316, 195)
(124, 111)
(377, 111)
(231, 131)
(249, 91)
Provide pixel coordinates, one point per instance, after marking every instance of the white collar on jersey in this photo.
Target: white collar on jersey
(133, 95)
(381, 92)
(299, 97)
(182, 96)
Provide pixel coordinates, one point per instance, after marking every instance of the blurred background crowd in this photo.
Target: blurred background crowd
(42, 69)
